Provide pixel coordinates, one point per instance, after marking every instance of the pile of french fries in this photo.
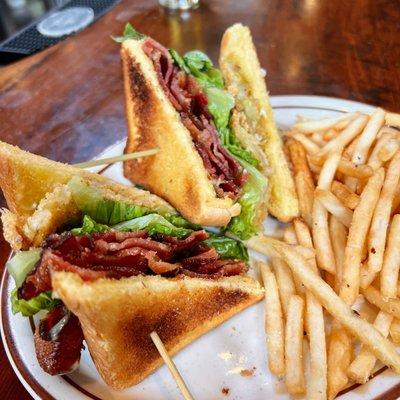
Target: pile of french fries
(341, 255)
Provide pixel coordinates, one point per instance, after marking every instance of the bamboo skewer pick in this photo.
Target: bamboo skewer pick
(112, 160)
(171, 366)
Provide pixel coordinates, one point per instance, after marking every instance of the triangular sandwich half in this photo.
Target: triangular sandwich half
(110, 264)
(253, 119)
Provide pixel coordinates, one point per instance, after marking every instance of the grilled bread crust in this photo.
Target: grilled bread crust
(176, 172)
(39, 202)
(117, 316)
(253, 113)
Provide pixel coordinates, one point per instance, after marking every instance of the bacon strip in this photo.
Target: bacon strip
(60, 353)
(122, 254)
(188, 99)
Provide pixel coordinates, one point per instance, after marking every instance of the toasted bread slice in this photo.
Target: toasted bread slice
(40, 202)
(176, 172)
(117, 316)
(253, 120)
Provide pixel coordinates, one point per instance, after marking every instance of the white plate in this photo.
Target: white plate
(212, 362)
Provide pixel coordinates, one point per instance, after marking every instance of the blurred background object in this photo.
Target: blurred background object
(179, 4)
(16, 14)
(27, 26)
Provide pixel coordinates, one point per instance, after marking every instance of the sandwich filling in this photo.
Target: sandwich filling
(195, 88)
(189, 100)
(113, 240)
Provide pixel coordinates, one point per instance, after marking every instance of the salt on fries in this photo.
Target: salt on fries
(343, 247)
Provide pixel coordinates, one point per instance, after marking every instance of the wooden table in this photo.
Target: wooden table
(66, 102)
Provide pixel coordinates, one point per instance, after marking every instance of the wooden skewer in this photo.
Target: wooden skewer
(112, 160)
(171, 366)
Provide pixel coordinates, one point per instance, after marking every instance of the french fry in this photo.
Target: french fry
(302, 232)
(317, 385)
(328, 170)
(307, 253)
(380, 220)
(395, 331)
(347, 167)
(307, 143)
(317, 139)
(338, 234)
(311, 126)
(334, 206)
(396, 201)
(349, 150)
(340, 354)
(294, 329)
(274, 329)
(391, 261)
(392, 119)
(366, 276)
(390, 306)
(343, 124)
(303, 179)
(345, 195)
(368, 136)
(332, 132)
(322, 240)
(289, 235)
(362, 366)
(346, 136)
(387, 152)
(360, 329)
(320, 230)
(285, 282)
(374, 160)
(357, 235)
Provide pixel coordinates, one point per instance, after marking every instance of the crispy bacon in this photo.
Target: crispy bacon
(121, 254)
(58, 341)
(188, 99)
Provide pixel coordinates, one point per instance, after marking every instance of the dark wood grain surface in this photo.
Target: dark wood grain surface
(66, 102)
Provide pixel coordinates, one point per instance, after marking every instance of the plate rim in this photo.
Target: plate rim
(32, 385)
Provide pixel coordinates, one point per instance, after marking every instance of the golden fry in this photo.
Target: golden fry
(357, 236)
(340, 353)
(390, 306)
(294, 330)
(360, 329)
(303, 179)
(346, 136)
(368, 136)
(380, 221)
(362, 366)
(345, 195)
(334, 206)
(274, 329)
(285, 282)
(391, 261)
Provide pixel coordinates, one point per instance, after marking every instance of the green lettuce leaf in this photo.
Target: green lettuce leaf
(27, 308)
(200, 66)
(220, 104)
(234, 147)
(104, 211)
(179, 60)
(89, 226)
(180, 222)
(21, 264)
(153, 224)
(129, 33)
(227, 247)
(244, 225)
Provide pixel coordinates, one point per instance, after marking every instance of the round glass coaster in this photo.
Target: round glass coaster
(66, 21)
